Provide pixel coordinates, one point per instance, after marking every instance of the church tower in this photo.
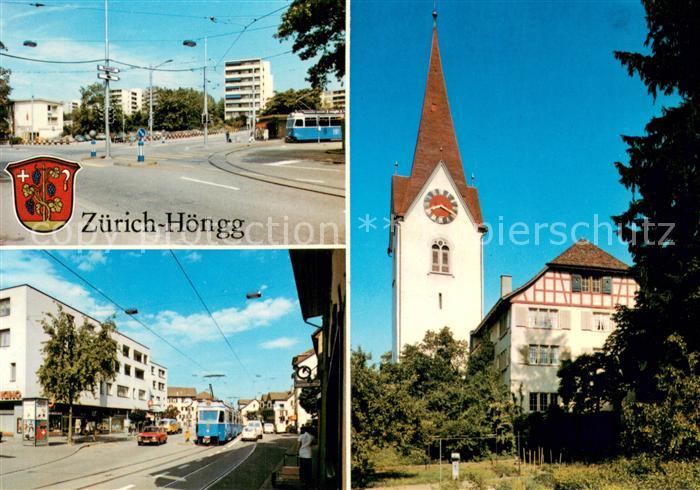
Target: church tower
(436, 229)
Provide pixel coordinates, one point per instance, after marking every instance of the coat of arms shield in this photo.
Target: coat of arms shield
(44, 192)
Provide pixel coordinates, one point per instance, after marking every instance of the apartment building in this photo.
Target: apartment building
(185, 401)
(129, 99)
(333, 99)
(37, 118)
(248, 84)
(139, 383)
(282, 404)
(564, 311)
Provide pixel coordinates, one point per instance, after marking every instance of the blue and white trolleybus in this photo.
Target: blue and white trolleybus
(314, 126)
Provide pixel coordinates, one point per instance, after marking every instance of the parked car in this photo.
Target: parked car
(120, 137)
(152, 435)
(249, 433)
(80, 138)
(269, 428)
(171, 426)
(100, 136)
(257, 426)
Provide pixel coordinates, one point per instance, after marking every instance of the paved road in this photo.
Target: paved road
(125, 466)
(265, 193)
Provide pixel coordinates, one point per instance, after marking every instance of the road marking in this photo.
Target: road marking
(282, 162)
(311, 181)
(183, 466)
(126, 487)
(211, 183)
(319, 169)
(169, 477)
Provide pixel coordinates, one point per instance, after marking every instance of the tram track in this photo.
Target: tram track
(235, 169)
(147, 463)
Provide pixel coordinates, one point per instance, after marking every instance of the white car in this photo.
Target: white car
(249, 434)
(269, 428)
(257, 426)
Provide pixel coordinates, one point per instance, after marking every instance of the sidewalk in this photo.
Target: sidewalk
(16, 456)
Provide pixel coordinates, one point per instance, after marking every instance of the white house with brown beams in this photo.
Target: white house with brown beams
(249, 410)
(564, 311)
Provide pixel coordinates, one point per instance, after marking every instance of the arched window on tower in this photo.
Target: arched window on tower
(440, 257)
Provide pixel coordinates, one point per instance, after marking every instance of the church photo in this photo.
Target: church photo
(494, 276)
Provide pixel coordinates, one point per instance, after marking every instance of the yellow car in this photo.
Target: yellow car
(171, 426)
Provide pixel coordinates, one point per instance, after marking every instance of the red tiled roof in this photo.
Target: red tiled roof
(436, 141)
(175, 392)
(585, 254)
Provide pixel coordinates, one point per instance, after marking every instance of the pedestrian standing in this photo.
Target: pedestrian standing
(305, 465)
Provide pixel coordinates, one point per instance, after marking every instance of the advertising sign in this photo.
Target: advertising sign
(35, 419)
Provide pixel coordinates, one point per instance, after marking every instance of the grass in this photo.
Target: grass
(505, 474)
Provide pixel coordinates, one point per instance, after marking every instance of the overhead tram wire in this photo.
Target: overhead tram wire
(121, 308)
(201, 300)
(59, 62)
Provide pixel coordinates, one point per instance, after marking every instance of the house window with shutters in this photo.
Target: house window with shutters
(591, 284)
(440, 255)
(542, 318)
(543, 355)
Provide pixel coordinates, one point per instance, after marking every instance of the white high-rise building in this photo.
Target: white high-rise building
(436, 230)
(129, 99)
(140, 383)
(248, 83)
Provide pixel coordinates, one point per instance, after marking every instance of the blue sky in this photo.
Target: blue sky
(74, 30)
(539, 104)
(265, 333)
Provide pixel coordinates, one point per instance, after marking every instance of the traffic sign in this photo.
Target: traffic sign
(110, 69)
(108, 76)
(141, 133)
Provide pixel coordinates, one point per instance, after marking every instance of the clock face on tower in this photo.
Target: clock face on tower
(440, 206)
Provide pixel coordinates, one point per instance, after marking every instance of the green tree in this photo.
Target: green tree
(318, 30)
(309, 400)
(589, 382)
(181, 109)
(5, 104)
(655, 346)
(293, 100)
(138, 418)
(76, 359)
(432, 392)
(171, 412)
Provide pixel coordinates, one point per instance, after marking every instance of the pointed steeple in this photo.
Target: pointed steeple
(436, 142)
(436, 134)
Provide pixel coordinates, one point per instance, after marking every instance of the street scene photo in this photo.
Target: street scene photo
(526, 245)
(220, 125)
(188, 369)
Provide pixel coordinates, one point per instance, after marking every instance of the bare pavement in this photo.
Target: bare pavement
(239, 193)
(123, 465)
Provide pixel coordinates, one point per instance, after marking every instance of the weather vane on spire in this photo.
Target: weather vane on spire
(434, 13)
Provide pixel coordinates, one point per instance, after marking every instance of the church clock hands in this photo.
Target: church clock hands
(440, 206)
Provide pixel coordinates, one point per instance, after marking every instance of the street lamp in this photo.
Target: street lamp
(205, 115)
(150, 97)
(131, 311)
(255, 295)
(30, 44)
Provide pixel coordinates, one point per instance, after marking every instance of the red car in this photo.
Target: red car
(152, 435)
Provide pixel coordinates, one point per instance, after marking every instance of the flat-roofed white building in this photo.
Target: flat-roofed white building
(333, 99)
(37, 118)
(129, 99)
(564, 311)
(139, 383)
(248, 83)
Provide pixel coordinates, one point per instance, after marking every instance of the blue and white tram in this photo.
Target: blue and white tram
(315, 126)
(217, 422)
